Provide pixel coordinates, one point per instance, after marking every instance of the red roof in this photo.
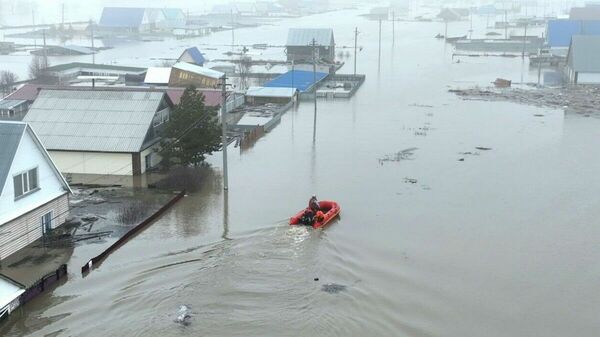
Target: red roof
(29, 92)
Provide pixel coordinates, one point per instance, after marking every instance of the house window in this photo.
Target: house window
(26, 182)
(47, 222)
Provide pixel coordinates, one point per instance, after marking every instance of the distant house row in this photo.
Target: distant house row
(141, 20)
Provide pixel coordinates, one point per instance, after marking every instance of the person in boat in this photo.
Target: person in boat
(308, 218)
(313, 204)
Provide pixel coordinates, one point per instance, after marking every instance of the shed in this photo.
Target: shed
(13, 109)
(262, 95)
(302, 80)
(10, 291)
(100, 131)
(192, 55)
(299, 44)
(184, 74)
(129, 18)
(583, 63)
(559, 32)
(67, 50)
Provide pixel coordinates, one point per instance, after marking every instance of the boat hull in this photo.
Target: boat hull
(330, 208)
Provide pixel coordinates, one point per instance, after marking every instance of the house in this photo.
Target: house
(103, 131)
(192, 55)
(586, 13)
(299, 48)
(70, 71)
(246, 8)
(13, 109)
(263, 95)
(302, 80)
(184, 74)
(34, 196)
(158, 76)
(132, 19)
(174, 18)
(67, 50)
(583, 63)
(559, 32)
(453, 14)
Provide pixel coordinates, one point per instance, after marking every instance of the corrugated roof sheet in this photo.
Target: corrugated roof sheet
(10, 137)
(299, 79)
(93, 120)
(122, 17)
(270, 92)
(11, 103)
(72, 65)
(79, 49)
(198, 70)
(304, 36)
(560, 31)
(584, 54)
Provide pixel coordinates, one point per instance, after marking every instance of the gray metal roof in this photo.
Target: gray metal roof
(94, 120)
(304, 36)
(10, 137)
(584, 53)
(10, 103)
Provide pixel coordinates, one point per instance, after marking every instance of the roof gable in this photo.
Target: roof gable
(195, 54)
(94, 120)
(10, 137)
(304, 36)
(198, 70)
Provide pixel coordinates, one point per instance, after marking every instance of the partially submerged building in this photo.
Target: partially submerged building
(583, 63)
(101, 131)
(141, 20)
(301, 80)
(559, 32)
(63, 73)
(33, 193)
(299, 44)
(66, 50)
(184, 74)
(192, 55)
(157, 76)
(13, 109)
(263, 95)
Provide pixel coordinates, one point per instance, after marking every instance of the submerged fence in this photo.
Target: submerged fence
(135, 230)
(43, 284)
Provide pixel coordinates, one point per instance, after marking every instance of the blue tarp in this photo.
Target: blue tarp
(299, 79)
(560, 31)
(122, 17)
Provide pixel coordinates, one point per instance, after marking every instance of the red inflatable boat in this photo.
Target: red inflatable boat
(330, 208)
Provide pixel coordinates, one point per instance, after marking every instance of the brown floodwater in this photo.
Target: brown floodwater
(459, 218)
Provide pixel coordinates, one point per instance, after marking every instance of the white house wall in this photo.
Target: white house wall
(155, 158)
(588, 78)
(29, 156)
(93, 162)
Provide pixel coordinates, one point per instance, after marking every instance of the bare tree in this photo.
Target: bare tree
(7, 81)
(37, 66)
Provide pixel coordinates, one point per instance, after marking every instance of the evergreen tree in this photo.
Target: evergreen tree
(192, 132)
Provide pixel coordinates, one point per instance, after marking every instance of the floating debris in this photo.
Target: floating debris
(333, 288)
(483, 148)
(410, 180)
(184, 315)
(398, 156)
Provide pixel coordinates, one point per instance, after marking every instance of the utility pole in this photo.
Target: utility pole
(505, 24)
(393, 28)
(232, 32)
(33, 22)
(524, 41)
(224, 130)
(63, 15)
(314, 59)
(355, 46)
(45, 50)
(379, 58)
(93, 49)
(539, 68)
(292, 73)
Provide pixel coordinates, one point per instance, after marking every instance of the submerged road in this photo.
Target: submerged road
(459, 218)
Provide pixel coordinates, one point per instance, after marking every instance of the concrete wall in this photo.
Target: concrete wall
(93, 162)
(24, 230)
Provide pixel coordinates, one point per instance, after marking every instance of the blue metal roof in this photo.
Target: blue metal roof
(122, 17)
(560, 32)
(299, 79)
(196, 55)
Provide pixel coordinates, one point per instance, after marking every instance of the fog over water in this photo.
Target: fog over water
(501, 243)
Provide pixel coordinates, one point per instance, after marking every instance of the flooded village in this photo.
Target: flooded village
(154, 158)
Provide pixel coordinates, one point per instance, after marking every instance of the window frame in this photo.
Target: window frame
(25, 182)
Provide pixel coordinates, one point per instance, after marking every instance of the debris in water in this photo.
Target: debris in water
(538, 115)
(316, 279)
(184, 315)
(333, 288)
(410, 180)
(483, 148)
(461, 159)
(405, 154)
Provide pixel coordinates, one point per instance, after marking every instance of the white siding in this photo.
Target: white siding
(588, 78)
(28, 156)
(93, 162)
(22, 231)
